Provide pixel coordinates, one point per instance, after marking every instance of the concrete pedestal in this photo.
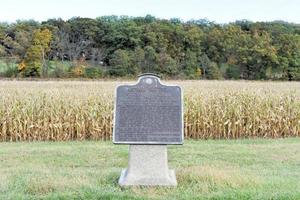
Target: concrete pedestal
(148, 165)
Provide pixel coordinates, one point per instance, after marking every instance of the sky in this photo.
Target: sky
(219, 11)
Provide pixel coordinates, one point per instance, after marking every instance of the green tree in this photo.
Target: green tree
(167, 65)
(150, 60)
(233, 72)
(138, 59)
(121, 64)
(2, 51)
(35, 59)
(213, 71)
(288, 47)
(205, 63)
(243, 49)
(190, 64)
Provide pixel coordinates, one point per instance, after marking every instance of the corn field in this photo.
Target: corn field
(83, 110)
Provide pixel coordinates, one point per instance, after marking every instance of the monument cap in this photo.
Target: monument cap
(149, 74)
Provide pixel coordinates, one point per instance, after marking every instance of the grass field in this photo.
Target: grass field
(223, 169)
(79, 110)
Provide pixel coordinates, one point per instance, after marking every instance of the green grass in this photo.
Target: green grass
(224, 169)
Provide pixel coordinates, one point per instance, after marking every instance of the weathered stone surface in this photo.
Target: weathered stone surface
(148, 165)
(148, 113)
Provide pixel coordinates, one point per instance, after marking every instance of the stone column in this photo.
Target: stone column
(148, 165)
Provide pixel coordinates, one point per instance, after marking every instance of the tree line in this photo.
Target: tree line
(117, 46)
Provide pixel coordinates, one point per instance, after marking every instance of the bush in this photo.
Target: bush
(294, 74)
(93, 72)
(8, 69)
(233, 72)
(58, 69)
(213, 72)
(11, 71)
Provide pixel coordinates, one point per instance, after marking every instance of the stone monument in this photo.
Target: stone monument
(148, 116)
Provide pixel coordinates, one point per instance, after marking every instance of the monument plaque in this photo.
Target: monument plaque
(148, 116)
(148, 113)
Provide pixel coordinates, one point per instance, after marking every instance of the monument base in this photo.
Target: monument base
(148, 165)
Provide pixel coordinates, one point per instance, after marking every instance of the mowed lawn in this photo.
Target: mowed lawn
(221, 169)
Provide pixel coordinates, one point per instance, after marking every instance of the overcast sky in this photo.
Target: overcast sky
(220, 11)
